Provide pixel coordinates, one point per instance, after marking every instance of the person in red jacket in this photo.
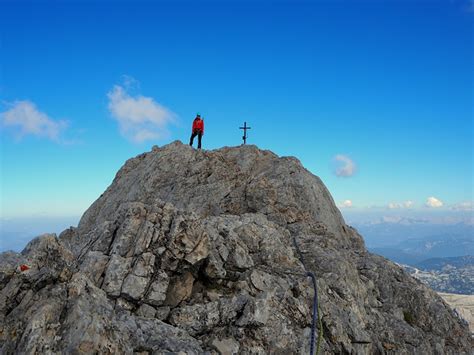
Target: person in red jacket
(197, 130)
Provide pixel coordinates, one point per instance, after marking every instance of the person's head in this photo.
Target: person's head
(198, 115)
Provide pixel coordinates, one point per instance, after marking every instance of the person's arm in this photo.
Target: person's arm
(202, 127)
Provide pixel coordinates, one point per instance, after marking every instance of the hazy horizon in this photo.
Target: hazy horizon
(16, 232)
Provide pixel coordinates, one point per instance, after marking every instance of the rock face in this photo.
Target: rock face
(192, 252)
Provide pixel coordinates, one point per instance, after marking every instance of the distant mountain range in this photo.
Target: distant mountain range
(440, 255)
(439, 264)
(411, 241)
(413, 251)
(390, 231)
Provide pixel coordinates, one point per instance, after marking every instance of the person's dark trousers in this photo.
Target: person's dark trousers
(196, 133)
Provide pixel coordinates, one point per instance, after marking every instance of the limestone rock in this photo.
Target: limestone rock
(158, 289)
(193, 252)
(226, 346)
(117, 270)
(180, 289)
(256, 313)
(146, 311)
(135, 284)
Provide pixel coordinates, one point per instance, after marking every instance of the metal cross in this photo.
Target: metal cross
(245, 128)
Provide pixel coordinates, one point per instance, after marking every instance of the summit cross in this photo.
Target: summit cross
(245, 128)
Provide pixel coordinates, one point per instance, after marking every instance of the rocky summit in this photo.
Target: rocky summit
(192, 252)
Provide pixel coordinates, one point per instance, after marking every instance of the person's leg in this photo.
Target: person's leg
(191, 140)
(199, 140)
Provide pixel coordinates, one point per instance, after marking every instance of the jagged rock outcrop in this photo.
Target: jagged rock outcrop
(192, 252)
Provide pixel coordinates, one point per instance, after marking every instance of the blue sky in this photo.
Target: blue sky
(375, 97)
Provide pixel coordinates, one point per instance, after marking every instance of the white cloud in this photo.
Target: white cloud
(25, 119)
(389, 219)
(397, 205)
(433, 202)
(140, 118)
(463, 206)
(345, 166)
(346, 204)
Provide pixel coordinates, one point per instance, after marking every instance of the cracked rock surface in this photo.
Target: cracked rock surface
(191, 252)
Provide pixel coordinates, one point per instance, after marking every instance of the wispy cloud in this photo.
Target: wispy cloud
(345, 204)
(398, 205)
(140, 118)
(463, 206)
(433, 202)
(344, 166)
(23, 118)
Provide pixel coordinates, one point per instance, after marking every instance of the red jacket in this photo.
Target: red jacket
(198, 125)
